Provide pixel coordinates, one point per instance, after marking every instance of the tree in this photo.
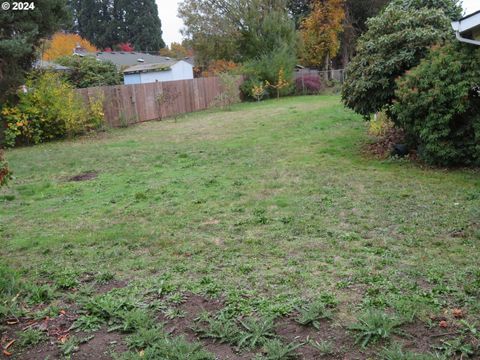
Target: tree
(107, 23)
(395, 42)
(299, 9)
(21, 35)
(237, 30)
(88, 71)
(63, 45)
(438, 105)
(357, 12)
(176, 50)
(320, 32)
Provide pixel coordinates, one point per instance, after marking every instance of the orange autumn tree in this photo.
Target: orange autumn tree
(320, 32)
(64, 44)
(218, 67)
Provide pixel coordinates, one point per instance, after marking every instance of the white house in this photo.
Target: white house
(142, 68)
(168, 70)
(467, 29)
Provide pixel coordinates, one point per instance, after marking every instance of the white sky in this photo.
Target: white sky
(171, 24)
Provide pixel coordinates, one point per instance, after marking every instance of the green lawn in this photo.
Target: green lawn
(262, 209)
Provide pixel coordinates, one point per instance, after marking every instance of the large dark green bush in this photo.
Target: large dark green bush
(89, 72)
(438, 105)
(396, 41)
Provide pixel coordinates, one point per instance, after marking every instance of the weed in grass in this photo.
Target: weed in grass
(172, 349)
(176, 298)
(312, 313)
(324, 347)
(31, 337)
(375, 325)
(66, 280)
(145, 337)
(38, 294)
(132, 320)
(275, 349)
(69, 346)
(220, 328)
(172, 313)
(396, 352)
(256, 332)
(108, 306)
(50, 311)
(456, 348)
(104, 277)
(88, 323)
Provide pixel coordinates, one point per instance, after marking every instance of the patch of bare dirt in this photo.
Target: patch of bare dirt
(88, 175)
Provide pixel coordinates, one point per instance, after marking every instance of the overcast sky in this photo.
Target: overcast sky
(171, 24)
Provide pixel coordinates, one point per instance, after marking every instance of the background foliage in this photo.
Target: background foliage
(88, 72)
(63, 44)
(20, 35)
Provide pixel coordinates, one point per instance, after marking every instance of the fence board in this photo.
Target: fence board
(129, 104)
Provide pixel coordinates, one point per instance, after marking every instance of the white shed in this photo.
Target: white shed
(170, 70)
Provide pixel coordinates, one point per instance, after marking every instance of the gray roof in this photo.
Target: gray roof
(125, 59)
(143, 68)
(42, 64)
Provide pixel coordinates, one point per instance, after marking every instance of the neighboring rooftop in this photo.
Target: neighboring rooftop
(42, 64)
(145, 68)
(125, 59)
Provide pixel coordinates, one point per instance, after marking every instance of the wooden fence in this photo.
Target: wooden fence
(129, 104)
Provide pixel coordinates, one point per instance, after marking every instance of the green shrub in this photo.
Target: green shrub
(396, 41)
(49, 109)
(438, 106)
(89, 72)
(268, 68)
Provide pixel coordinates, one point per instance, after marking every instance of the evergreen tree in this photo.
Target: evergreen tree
(21, 33)
(107, 23)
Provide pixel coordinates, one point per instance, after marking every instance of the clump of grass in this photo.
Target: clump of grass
(396, 352)
(220, 328)
(277, 350)
(375, 325)
(176, 348)
(145, 337)
(88, 323)
(256, 332)
(134, 319)
(324, 347)
(312, 313)
(31, 337)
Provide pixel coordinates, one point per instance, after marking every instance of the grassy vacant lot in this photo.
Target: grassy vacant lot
(262, 232)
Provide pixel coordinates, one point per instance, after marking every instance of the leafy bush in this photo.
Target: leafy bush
(230, 93)
(49, 109)
(438, 106)
(308, 84)
(89, 72)
(395, 42)
(267, 68)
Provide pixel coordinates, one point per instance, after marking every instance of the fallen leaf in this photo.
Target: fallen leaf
(9, 344)
(12, 322)
(63, 312)
(7, 353)
(457, 313)
(443, 324)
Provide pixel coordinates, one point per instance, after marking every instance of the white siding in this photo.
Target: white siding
(179, 71)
